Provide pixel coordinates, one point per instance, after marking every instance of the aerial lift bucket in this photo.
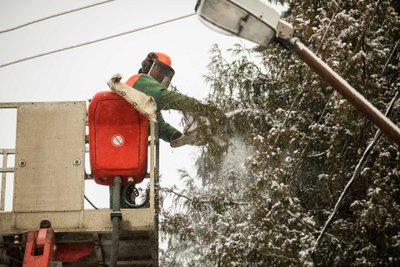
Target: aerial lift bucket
(49, 172)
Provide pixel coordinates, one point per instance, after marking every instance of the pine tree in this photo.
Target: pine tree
(263, 198)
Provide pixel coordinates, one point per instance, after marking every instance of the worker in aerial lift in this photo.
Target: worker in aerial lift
(153, 79)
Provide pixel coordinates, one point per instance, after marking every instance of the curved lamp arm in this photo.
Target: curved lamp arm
(260, 23)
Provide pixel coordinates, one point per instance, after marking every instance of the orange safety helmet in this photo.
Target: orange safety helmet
(164, 58)
(151, 58)
(158, 66)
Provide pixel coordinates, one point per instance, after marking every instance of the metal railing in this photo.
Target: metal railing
(5, 152)
(4, 170)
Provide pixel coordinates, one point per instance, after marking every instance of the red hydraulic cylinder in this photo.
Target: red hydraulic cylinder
(39, 249)
(73, 253)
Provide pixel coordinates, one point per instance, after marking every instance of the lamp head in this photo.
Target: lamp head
(249, 19)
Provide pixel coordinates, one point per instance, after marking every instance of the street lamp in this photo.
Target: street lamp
(260, 23)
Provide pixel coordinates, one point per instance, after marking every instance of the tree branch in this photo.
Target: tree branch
(225, 201)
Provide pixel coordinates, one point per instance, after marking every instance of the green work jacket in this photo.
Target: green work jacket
(165, 100)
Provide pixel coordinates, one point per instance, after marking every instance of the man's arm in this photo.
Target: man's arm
(186, 104)
(165, 131)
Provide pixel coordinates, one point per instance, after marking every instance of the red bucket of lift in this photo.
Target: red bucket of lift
(118, 136)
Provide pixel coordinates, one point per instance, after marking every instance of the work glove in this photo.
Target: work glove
(192, 135)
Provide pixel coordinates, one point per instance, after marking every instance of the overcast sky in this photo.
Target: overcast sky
(79, 73)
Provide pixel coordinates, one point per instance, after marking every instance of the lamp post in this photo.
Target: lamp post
(260, 23)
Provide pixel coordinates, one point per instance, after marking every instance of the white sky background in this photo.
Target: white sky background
(79, 73)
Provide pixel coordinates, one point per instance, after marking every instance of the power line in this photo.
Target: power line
(53, 16)
(96, 41)
(361, 162)
(357, 171)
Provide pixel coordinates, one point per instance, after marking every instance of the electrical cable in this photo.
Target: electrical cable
(53, 16)
(130, 189)
(96, 41)
(90, 202)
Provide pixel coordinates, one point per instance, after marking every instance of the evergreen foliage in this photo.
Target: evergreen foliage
(263, 199)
